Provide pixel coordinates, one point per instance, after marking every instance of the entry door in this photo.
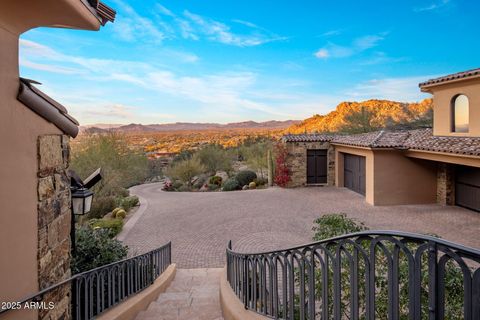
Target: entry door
(467, 187)
(316, 166)
(354, 173)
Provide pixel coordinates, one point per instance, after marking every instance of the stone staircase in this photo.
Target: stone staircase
(192, 295)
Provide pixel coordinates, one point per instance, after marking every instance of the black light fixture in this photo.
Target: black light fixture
(82, 197)
(81, 201)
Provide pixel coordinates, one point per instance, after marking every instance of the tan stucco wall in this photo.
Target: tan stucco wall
(391, 178)
(402, 180)
(442, 97)
(369, 169)
(472, 161)
(21, 15)
(19, 130)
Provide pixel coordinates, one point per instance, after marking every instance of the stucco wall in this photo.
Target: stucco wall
(442, 97)
(297, 161)
(401, 180)
(19, 130)
(369, 169)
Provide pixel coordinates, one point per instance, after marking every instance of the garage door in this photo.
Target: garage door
(354, 173)
(467, 187)
(316, 166)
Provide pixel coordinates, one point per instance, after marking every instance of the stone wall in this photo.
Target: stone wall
(54, 222)
(445, 184)
(297, 161)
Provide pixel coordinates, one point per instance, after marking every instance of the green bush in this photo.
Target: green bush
(231, 185)
(95, 248)
(177, 185)
(215, 180)
(333, 225)
(112, 226)
(184, 188)
(244, 177)
(186, 170)
(101, 206)
(129, 202)
(213, 187)
(200, 181)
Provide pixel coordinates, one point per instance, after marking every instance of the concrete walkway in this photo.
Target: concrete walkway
(193, 295)
(200, 224)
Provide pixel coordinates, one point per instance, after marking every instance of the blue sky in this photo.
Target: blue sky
(227, 61)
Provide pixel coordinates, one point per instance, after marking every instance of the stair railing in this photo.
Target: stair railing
(95, 291)
(365, 275)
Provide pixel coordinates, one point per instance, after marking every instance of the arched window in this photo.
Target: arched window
(460, 113)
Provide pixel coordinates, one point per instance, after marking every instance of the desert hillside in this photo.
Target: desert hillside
(383, 113)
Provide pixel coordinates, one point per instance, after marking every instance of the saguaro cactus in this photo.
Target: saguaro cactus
(270, 167)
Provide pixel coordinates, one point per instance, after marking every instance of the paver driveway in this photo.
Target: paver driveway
(200, 224)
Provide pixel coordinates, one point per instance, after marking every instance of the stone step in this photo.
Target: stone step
(192, 295)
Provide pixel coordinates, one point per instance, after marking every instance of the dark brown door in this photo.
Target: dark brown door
(467, 187)
(316, 166)
(354, 173)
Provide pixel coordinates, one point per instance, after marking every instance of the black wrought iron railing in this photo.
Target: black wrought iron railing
(97, 290)
(365, 275)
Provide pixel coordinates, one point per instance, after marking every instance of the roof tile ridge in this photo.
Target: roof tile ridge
(378, 137)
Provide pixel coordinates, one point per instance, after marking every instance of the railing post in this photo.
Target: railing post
(432, 281)
(245, 275)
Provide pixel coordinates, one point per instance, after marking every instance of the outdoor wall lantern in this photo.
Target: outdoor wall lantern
(82, 197)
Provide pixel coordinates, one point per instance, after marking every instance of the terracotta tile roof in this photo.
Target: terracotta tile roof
(425, 140)
(451, 77)
(417, 139)
(312, 137)
(104, 12)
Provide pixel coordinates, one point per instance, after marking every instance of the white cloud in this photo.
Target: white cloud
(358, 45)
(331, 33)
(163, 10)
(398, 89)
(433, 6)
(322, 53)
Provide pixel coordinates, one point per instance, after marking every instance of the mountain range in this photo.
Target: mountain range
(187, 126)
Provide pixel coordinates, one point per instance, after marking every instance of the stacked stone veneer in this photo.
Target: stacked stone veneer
(445, 184)
(54, 223)
(297, 161)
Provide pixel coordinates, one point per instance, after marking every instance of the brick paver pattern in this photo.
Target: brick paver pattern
(200, 224)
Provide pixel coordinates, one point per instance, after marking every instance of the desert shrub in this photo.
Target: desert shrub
(177, 185)
(213, 187)
(215, 180)
(129, 202)
(252, 185)
(121, 167)
(244, 177)
(260, 181)
(154, 168)
(113, 226)
(182, 156)
(255, 155)
(214, 158)
(184, 188)
(231, 185)
(282, 171)
(186, 170)
(101, 206)
(95, 248)
(333, 225)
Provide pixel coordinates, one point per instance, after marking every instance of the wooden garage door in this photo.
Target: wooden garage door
(467, 187)
(316, 166)
(354, 173)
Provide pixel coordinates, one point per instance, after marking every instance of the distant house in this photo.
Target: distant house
(34, 141)
(418, 166)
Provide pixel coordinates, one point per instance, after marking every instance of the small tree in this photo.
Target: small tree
(214, 158)
(282, 171)
(186, 170)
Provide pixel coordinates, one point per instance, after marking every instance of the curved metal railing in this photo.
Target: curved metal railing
(99, 289)
(365, 275)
